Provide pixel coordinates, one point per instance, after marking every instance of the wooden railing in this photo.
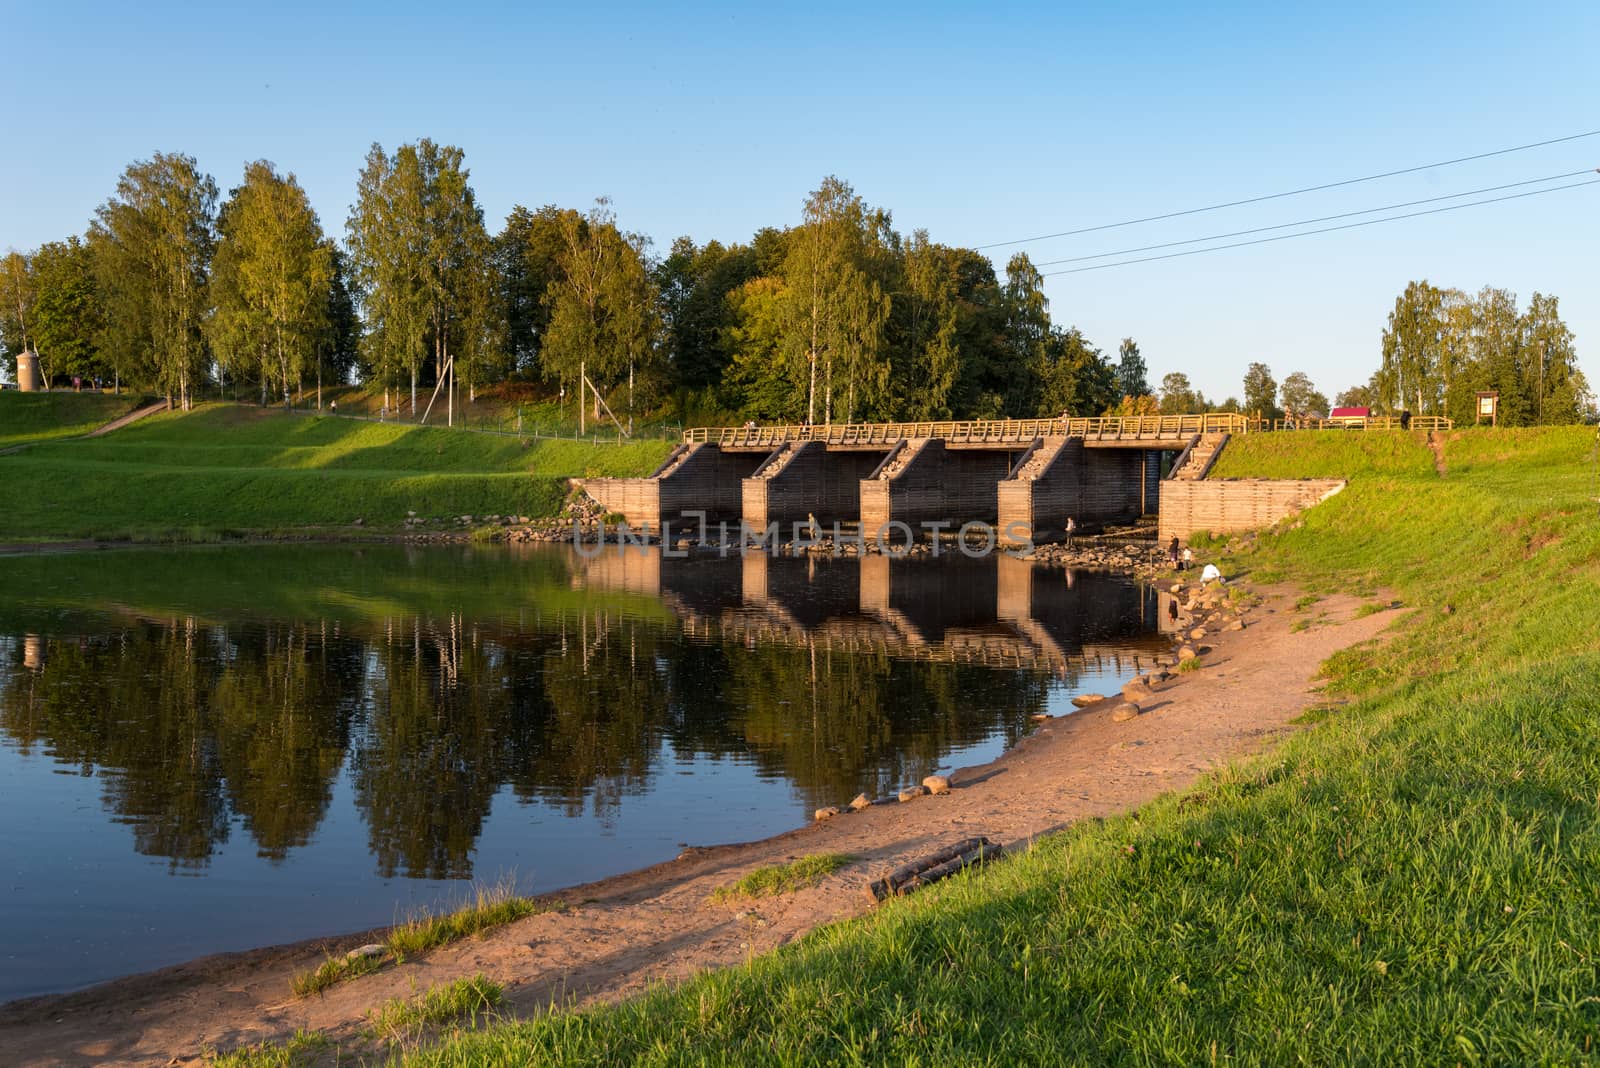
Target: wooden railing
(978, 431)
(1370, 422)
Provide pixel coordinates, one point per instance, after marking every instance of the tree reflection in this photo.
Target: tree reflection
(562, 696)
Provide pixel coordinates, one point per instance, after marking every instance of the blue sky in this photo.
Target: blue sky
(979, 126)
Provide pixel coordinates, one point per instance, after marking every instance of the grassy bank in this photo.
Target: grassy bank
(1416, 879)
(225, 469)
(32, 417)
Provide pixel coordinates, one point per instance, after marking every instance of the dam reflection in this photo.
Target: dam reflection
(997, 611)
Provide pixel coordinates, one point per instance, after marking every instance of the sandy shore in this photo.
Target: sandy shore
(614, 938)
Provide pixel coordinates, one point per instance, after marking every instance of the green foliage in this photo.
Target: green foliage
(152, 246)
(273, 276)
(332, 971)
(303, 1049)
(490, 907)
(1260, 392)
(398, 1020)
(777, 879)
(1442, 347)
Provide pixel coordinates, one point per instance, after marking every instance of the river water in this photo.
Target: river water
(212, 749)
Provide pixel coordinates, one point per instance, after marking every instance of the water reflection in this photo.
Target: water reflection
(231, 692)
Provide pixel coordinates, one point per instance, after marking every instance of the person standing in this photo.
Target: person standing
(1172, 553)
(1188, 559)
(1072, 528)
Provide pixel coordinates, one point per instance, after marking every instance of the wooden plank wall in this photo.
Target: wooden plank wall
(938, 484)
(816, 481)
(1224, 506)
(1092, 486)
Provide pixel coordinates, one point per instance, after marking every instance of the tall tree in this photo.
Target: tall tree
(386, 235)
(153, 242)
(1260, 392)
(18, 293)
(836, 310)
(1178, 397)
(528, 252)
(1131, 370)
(1027, 334)
(1300, 397)
(1412, 342)
(274, 271)
(1560, 390)
(67, 313)
(932, 317)
(602, 316)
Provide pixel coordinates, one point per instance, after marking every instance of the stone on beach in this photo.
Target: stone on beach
(936, 784)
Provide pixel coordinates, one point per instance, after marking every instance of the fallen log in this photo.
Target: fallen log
(932, 868)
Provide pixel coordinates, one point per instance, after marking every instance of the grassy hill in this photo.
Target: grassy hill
(226, 468)
(1414, 880)
(32, 417)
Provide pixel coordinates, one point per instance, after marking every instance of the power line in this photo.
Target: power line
(1324, 218)
(1324, 230)
(1291, 192)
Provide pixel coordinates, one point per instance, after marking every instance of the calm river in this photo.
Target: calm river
(213, 749)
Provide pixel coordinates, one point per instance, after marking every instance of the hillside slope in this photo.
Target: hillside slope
(226, 468)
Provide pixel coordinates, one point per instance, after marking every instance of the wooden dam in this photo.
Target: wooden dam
(1025, 477)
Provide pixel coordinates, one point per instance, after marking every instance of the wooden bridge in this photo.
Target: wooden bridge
(1139, 431)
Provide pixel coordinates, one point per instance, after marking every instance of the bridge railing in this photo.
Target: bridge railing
(978, 431)
(1368, 422)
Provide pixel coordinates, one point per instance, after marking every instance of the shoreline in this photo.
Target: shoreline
(614, 938)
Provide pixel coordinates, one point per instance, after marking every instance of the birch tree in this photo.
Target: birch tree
(153, 242)
(273, 272)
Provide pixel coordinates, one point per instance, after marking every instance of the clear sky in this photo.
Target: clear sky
(977, 125)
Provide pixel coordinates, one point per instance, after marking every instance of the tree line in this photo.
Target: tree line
(173, 289)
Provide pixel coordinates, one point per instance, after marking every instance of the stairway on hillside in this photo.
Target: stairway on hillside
(1201, 457)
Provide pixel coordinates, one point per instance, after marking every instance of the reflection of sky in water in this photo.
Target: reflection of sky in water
(210, 762)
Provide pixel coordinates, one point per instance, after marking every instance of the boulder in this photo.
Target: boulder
(861, 801)
(1237, 624)
(1084, 700)
(1197, 633)
(1187, 653)
(911, 793)
(1136, 689)
(936, 784)
(371, 949)
(827, 813)
(1124, 711)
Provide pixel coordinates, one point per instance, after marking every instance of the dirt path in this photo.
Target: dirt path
(132, 417)
(1436, 444)
(619, 936)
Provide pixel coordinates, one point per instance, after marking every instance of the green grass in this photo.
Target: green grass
(1413, 880)
(1189, 664)
(305, 1048)
(335, 970)
(400, 1020)
(27, 418)
(490, 907)
(1326, 454)
(778, 879)
(240, 470)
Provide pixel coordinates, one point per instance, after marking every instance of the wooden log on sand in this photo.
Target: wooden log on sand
(932, 868)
